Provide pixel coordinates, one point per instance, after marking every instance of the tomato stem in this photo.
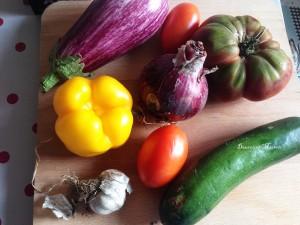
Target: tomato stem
(248, 46)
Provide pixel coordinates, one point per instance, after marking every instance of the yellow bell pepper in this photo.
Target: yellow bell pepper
(93, 115)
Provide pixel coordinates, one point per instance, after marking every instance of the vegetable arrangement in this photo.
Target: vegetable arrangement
(95, 115)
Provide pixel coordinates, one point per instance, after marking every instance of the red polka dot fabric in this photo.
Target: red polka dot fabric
(28, 190)
(19, 82)
(4, 157)
(12, 98)
(34, 128)
(20, 47)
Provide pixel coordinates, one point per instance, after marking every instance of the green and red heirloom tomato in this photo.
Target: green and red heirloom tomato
(251, 64)
(179, 26)
(162, 155)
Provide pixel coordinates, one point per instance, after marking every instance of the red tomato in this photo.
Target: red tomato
(162, 156)
(179, 26)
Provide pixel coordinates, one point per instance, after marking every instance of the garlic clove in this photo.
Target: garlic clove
(103, 204)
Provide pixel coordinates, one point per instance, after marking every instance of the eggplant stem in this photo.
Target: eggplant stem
(49, 81)
(62, 69)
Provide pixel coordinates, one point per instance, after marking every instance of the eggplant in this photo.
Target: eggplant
(106, 30)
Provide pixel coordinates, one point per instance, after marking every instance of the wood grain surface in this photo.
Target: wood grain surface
(271, 197)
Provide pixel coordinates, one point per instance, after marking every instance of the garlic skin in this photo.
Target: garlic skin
(59, 205)
(112, 194)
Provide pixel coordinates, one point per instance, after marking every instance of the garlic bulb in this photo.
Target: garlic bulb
(112, 194)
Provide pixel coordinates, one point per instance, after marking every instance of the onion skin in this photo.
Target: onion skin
(174, 86)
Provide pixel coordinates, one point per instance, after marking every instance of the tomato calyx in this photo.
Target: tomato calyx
(249, 45)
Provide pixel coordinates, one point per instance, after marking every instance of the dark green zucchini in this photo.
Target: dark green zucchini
(192, 197)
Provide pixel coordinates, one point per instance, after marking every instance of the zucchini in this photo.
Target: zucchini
(193, 196)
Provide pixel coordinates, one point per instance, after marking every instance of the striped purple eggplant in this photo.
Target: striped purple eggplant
(105, 31)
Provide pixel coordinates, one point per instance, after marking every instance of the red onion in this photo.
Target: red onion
(174, 86)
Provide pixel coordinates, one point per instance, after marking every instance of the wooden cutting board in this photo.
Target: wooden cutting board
(272, 197)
